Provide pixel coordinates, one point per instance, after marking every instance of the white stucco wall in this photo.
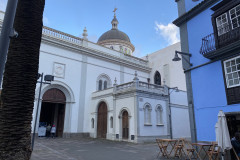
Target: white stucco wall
(169, 70)
(127, 104)
(97, 98)
(153, 129)
(179, 114)
(81, 73)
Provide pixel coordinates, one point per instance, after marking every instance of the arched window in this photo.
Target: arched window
(126, 50)
(100, 85)
(111, 122)
(157, 78)
(159, 114)
(92, 123)
(103, 82)
(111, 47)
(147, 114)
(105, 85)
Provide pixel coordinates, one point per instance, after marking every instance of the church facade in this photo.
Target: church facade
(101, 90)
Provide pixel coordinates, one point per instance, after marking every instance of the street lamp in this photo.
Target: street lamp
(169, 103)
(47, 79)
(189, 92)
(177, 58)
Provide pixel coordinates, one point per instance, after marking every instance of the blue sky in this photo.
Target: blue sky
(146, 22)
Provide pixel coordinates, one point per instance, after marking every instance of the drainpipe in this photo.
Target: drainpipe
(170, 114)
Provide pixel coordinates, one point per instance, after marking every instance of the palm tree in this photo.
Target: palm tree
(19, 82)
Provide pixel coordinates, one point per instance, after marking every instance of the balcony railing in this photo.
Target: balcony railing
(213, 42)
(208, 44)
(141, 85)
(52, 33)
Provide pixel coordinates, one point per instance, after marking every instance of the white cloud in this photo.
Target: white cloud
(169, 32)
(3, 4)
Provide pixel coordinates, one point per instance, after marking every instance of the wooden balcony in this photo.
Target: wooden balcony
(214, 46)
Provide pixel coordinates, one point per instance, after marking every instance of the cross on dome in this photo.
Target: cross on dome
(114, 21)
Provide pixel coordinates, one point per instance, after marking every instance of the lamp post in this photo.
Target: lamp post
(7, 33)
(170, 112)
(186, 66)
(47, 79)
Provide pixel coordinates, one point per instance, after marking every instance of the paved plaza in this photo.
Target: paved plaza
(92, 149)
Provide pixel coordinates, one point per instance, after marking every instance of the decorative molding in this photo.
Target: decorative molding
(58, 70)
(117, 41)
(194, 11)
(131, 62)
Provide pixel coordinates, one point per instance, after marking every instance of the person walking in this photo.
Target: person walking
(53, 131)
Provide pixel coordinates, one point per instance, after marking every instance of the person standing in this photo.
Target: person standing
(48, 129)
(53, 131)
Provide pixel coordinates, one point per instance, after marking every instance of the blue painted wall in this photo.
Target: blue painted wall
(190, 4)
(208, 81)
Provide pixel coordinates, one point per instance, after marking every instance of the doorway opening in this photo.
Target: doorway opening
(125, 125)
(102, 120)
(233, 122)
(53, 110)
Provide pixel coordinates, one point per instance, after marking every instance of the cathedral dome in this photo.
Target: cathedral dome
(116, 39)
(114, 34)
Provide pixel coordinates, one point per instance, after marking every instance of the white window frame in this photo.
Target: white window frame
(92, 122)
(147, 114)
(159, 115)
(104, 78)
(237, 16)
(229, 68)
(111, 122)
(222, 25)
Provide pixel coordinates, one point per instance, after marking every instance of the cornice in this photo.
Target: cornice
(95, 53)
(109, 41)
(194, 11)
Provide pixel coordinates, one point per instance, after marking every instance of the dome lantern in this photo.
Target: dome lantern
(116, 39)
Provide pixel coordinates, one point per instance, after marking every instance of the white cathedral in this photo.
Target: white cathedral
(102, 90)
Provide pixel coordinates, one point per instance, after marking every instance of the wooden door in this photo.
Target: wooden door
(60, 122)
(102, 120)
(125, 126)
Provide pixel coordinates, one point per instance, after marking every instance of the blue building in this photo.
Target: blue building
(210, 32)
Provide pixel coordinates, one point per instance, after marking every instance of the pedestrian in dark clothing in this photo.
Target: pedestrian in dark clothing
(48, 130)
(236, 143)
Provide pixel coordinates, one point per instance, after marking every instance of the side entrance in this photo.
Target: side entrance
(53, 110)
(102, 120)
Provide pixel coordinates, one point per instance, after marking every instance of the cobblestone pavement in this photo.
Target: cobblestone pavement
(92, 149)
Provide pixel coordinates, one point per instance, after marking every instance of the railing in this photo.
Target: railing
(124, 86)
(49, 32)
(139, 86)
(150, 86)
(210, 43)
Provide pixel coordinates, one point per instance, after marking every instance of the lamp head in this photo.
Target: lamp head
(48, 78)
(176, 58)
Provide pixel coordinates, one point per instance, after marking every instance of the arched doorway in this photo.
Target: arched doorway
(102, 120)
(125, 125)
(53, 110)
